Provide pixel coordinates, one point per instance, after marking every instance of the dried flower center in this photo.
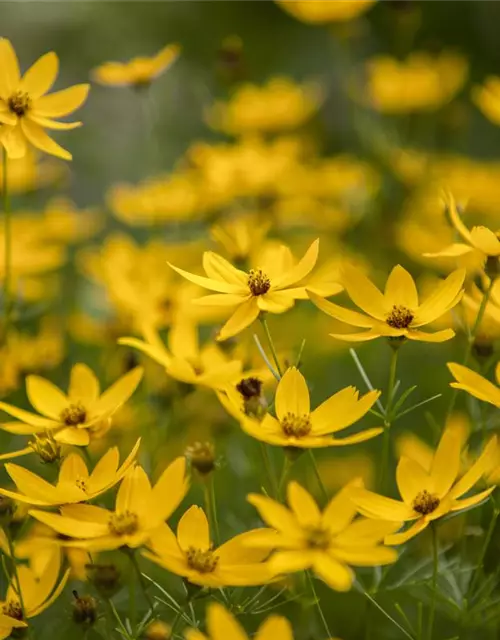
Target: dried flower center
(294, 425)
(425, 503)
(249, 388)
(258, 282)
(121, 524)
(400, 317)
(13, 609)
(19, 103)
(318, 538)
(74, 414)
(202, 561)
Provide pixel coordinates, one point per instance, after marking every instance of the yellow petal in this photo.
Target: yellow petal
(275, 515)
(364, 293)
(10, 68)
(473, 383)
(404, 536)
(55, 125)
(242, 550)
(366, 556)
(72, 527)
(218, 268)
(301, 269)
(62, 103)
(444, 295)
(400, 289)
(303, 505)
(83, 385)
(39, 139)
(334, 573)
(277, 301)
(105, 471)
(56, 593)
(242, 318)
(134, 494)
(411, 480)
(193, 530)
(222, 625)
(164, 59)
(170, 489)
(119, 392)
(342, 410)
(348, 316)
(438, 336)
(366, 532)
(446, 462)
(340, 511)
(485, 240)
(454, 250)
(207, 283)
(362, 436)
(45, 397)
(362, 336)
(291, 561)
(376, 506)
(455, 217)
(477, 470)
(30, 484)
(40, 77)
(73, 435)
(273, 628)
(73, 468)
(159, 355)
(14, 141)
(292, 394)
(35, 421)
(467, 503)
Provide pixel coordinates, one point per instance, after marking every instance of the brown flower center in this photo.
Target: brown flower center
(19, 103)
(121, 524)
(202, 561)
(249, 388)
(74, 414)
(13, 609)
(400, 317)
(425, 503)
(318, 538)
(294, 425)
(258, 282)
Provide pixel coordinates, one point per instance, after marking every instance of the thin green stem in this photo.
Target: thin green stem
(318, 476)
(269, 470)
(15, 574)
(211, 508)
(482, 555)
(271, 344)
(137, 569)
(132, 604)
(7, 284)
(386, 444)
(435, 567)
(318, 605)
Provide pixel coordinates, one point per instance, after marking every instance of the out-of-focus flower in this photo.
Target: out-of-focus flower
(396, 313)
(281, 105)
(192, 555)
(476, 384)
(420, 83)
(322, 11)
(140, 511)
(25, 109)
(327, 542)
(138, 72)
(487, 98)
(489, 328)
(240, 237)
(32, 172)
(428, 495)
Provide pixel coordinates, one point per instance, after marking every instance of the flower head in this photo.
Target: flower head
(396, 313)
(321, 11)
(25, 109)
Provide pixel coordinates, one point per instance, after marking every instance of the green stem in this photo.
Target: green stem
(318, 477)
(388, 417)
(132, 605)
(7, 284)
(15, 574)
(269, 470)
(137, 569)
(435, 566)
(271, 344)
(318, 605)
(484, 550)
(210, 506)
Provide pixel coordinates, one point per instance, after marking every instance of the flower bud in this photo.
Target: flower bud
(157, 630)
(46, 448)
(84, 610)
(254, 402)
(202, 457)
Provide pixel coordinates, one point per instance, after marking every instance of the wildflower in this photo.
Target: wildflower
(75, 484)
(138, 72)
(240, 237)
(72, 417)
(295, 425)
(139, 511)
(428, 495)
(26, 110)
(475, 384)
(191, 554)
(396, 313)
(327, 542)
(222, 625)
(38, 593)
(248, 294)
(487, 98)
(319, 11)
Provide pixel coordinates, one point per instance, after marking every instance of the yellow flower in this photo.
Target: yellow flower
(75, 484)
(38, 593)
(327, 542)
(270, 287)
(295, 424)
(137, 72)
(321, 11)
(428, 495)
(33, 172)
(240, 237)
(140, 510)
(475, 384)
(71, 418)
(26, 110)
(192, 555)
(222, 625)
(396, 313)
(487, 98)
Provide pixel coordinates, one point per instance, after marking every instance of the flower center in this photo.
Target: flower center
(74, 414)
(249, 388)
(425, 503)
(258, 282)
(202, 561)
(294, 425)
(318, 538)
(13, 609)
(19, 103)
(400, 317)
(121, 524)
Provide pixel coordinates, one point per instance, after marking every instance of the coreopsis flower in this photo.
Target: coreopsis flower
(396, 313)
(295, 425)
(428, 495)
(321, 11)
(25, 108)
(71, 418)
(192, 555)
(140, 510)
(475, 384)
(38, 593)
(268, 288)
(327, 542)
(240, 237)
(75, 483)
(487, 98)
(222, 625)
(138, 72)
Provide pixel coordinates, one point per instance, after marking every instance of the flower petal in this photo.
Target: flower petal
(83, 385)
(303, 505)
(400, 289)
(348, 316)
(11, 75)
(411, 479)
(170, 489)
(39, 139)
(438, 336)
(221, 625)
(404, 536)
(473, 383)
(45, 397)
(374, 505)
(62, 103)
(300, 270)
(485, 240)
(193, 530)
(218, 268)
(242, 318)
(118, 393)
(292, 394)
(477, 470)
(40, 77)
(364, 293)
(441, 299)
(446, 462)
(334, 573)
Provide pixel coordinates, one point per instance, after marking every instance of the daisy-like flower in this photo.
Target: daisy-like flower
(192, 555)
(25, 109)
(295, 425)
(138, 72)
(38, 593)
(487, 98)
(475, 384)
(396, 313)
(71, 418)
(428, 495)
(140, 510)
(272, 287)
(327, 542)
(75, 483)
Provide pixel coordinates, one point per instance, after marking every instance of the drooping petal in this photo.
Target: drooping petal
(26, 417)
(336, 574)
(438, 336)
(404, 536)
(39, 139)
(362, 436)
(242, 318)
(40, 77)
(62, 103)
(14, 141)
(362, 336)
(467, 503)
(454, 250)
(55, 125)
(400, 289)
(348, 316)
(366, 556)
(364, 293)
(222, 625)
(72, 527)
(292, 394)
(473, 383)
(193, 530)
